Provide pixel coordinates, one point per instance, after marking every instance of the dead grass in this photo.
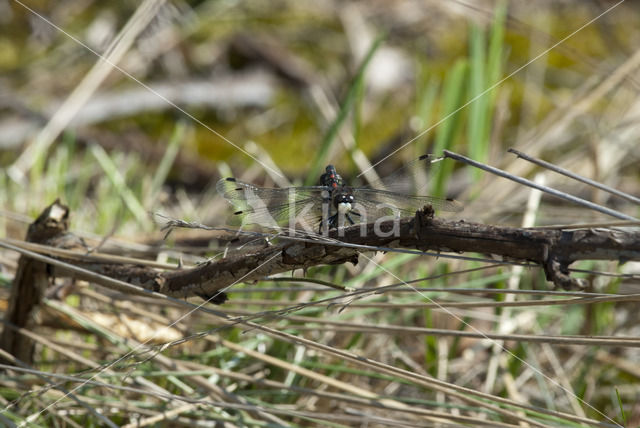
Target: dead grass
(494, 346)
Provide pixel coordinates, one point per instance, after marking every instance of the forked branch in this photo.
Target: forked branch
(553, 250)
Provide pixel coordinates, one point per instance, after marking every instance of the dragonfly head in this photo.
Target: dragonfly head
(343, 202)
(331, 178)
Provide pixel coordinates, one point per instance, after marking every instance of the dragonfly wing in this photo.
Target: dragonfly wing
(379, 203)
(274, 207)
(235, 190)
(411, 177)
(302, 213)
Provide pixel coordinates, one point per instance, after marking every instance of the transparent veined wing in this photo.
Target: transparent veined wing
(411, 178)
(294, 207)
(375, 203)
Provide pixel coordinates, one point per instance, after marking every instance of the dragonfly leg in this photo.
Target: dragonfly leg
(322, 224)
(352, 213)
(333, 220)
(331, 223)
(326, 213)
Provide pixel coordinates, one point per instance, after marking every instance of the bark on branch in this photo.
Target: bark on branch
(553, 250)
(32, 279)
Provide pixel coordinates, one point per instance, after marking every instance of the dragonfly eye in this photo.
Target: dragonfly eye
(343, 198)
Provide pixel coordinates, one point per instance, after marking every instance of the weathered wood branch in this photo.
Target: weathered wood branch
(553, 250)
(32, 279)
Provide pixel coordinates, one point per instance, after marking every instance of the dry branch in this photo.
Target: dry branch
(32, 280)
(553, 250)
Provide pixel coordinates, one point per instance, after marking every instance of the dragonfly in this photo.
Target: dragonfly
(329, 205)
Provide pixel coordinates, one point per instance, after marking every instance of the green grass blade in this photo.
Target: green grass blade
(624, 417)
(330, 137)
(119, 183)
(452, 96)
(165, 164)
(485, 71)
(425, 107)
(496, 47)
(478, 109)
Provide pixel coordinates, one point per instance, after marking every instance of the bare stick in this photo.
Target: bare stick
(553, 250)
(545, 189)
(575, 176)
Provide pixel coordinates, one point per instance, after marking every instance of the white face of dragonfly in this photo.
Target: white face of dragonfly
(344, 203)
